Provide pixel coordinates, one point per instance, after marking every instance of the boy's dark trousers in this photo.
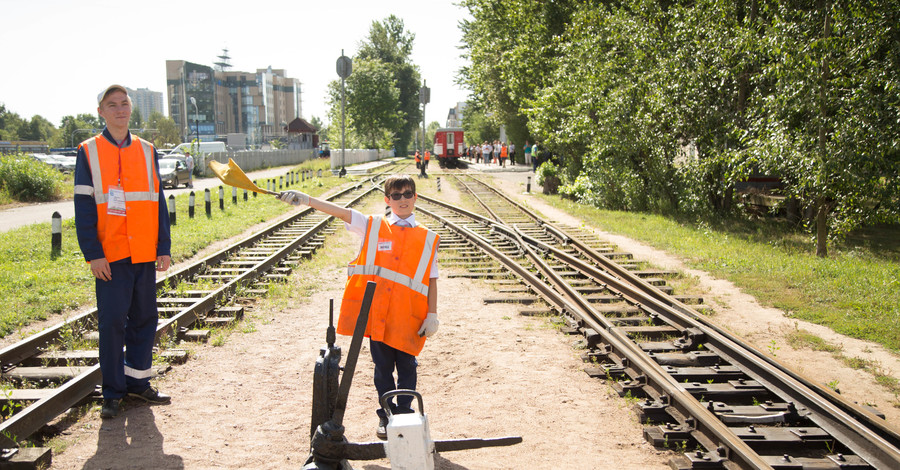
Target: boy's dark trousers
(385, 359)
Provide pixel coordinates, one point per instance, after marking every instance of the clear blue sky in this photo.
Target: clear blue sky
(59, 54)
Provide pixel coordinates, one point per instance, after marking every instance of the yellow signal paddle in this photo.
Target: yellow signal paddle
(232, 175)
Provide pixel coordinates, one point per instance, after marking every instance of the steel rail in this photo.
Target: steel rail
(868, 442)
(573, 303)
(636, 287)
(865, 443)
(29, 420)
(873, 422)
(870, 436)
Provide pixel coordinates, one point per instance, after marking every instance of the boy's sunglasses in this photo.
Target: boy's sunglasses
(407, 195)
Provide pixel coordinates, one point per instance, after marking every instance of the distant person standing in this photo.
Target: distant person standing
(527, 152)
(189, 161)
(425, 164)
(504, 152)
(534, 157)
(122, 225)
(512, 153)
(486, 149)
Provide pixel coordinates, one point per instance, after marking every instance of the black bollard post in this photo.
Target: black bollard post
(191, 205)
(171, 209)
(208, 203)
(233, 195)
(302, 176)
(257, 184)
(221, 198)
(56, 234)
(245, 195)
(320, 173)
(280, 183)
(528, 186)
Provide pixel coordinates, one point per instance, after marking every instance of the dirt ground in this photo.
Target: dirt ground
(488, 372)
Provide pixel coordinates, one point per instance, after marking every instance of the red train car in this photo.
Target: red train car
(449, 146)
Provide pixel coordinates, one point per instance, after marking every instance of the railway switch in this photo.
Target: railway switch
(409, 444)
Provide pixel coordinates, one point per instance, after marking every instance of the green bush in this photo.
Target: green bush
(548, 177)
(28, 180)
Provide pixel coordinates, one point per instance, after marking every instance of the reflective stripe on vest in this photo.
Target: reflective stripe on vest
(132, 168)
(399, 306)
(101, 196)
(370, 269)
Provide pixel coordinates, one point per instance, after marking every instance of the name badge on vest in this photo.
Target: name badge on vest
(116, 203)
(385, 245)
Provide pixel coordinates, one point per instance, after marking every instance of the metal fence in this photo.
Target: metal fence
(356, 156)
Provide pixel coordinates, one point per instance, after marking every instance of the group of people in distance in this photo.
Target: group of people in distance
(497, 152)
(122, 225)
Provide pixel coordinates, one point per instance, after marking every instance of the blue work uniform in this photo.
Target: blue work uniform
(127, 315)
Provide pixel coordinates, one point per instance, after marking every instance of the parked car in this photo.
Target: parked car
(173, 172)
(62, 163)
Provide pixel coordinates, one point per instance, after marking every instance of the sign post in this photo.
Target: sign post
(344, 69)
(424, 98)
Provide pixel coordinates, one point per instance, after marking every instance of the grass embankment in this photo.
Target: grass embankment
(855, 290)
(34, 283)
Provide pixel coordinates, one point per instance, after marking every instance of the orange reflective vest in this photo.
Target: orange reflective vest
(427, 155)
(503, 152)
(418, 159)
(133, 169)
(398, 260)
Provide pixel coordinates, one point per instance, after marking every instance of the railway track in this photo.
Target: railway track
(53, 370)
(701, 392)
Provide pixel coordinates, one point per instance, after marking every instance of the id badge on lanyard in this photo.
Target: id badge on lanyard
(116, 203)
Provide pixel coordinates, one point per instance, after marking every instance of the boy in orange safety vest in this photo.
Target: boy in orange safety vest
(401, 257)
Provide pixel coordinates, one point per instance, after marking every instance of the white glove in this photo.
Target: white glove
(430, 325)
(294, 197)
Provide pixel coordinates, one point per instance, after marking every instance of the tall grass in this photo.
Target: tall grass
(855, 291)
(23, 178)
(34, 283)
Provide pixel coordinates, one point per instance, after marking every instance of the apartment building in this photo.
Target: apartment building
(455, 115)
(214, 103)
(146, 101)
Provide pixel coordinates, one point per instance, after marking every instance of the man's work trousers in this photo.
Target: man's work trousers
(127, 317)
(385, 359)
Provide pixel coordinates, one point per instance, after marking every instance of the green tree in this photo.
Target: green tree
(477, 127)
(829, 127)
(75, 129)
(433, 126)
(510, 46)
(390, 43)
(136, 121)
(10, 123)
(372, 102)
(165, 134)
(316, 123)
(37, 129)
